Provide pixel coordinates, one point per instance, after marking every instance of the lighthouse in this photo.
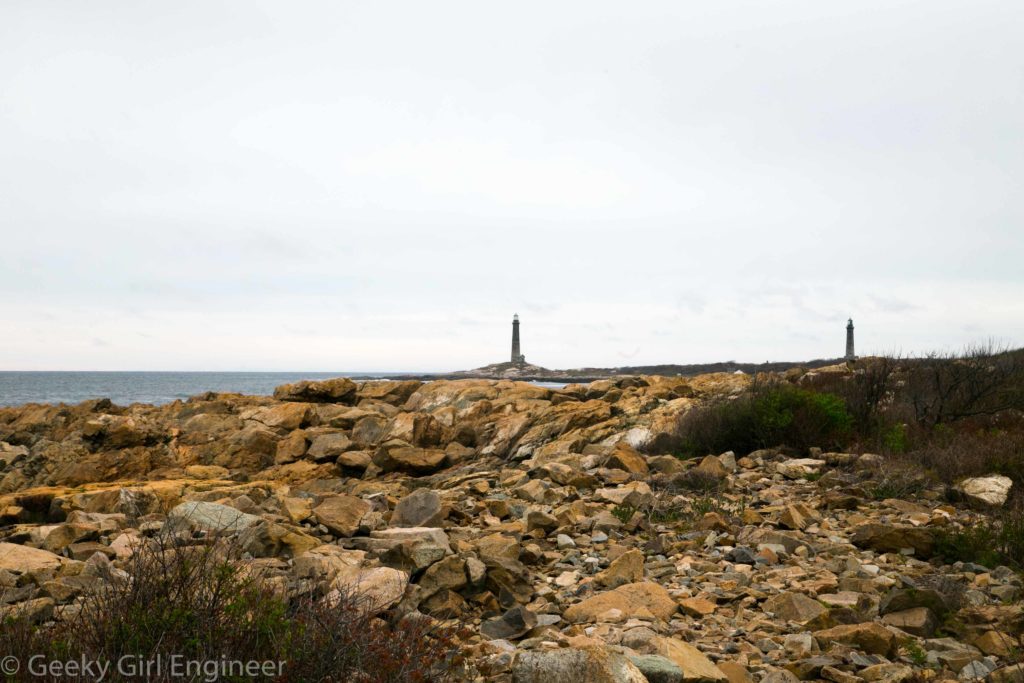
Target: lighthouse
(517, 357)
(849, 341)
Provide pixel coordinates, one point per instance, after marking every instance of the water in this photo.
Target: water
(124, 388)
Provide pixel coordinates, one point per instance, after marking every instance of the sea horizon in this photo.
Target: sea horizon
(157, 387)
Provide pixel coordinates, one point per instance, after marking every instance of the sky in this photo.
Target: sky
(204, 185)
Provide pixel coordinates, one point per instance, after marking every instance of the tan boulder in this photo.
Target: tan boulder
(338, 390)
(990, 491)
(698, 607)
(735, 672)
(418, 429)
(291, 448)
(206, 472)
(369, 430)
(643, 599)
(404, 458)
(329, 446)
(387, 391)
(796, 607)
(917, 621)
(997, 643)
(711, 466)
(287, 416)
(626, 568)
(341, 513)
(448, 573)
(697, 668)
(625, 457)
(871, 637)
(377, 589)
(23, 559)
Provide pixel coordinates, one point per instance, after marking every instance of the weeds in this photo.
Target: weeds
(201, 604)
(989, 543)
(623, 513)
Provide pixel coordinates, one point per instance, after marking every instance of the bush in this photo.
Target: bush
(201, 604)
(952, 454)
(991, 543)
(767, 415)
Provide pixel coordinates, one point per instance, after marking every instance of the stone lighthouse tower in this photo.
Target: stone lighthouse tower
(849, 341)
(517, 357)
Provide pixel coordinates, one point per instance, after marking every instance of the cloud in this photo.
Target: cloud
(359, 187)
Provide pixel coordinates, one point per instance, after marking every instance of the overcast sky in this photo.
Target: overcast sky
(381, 185)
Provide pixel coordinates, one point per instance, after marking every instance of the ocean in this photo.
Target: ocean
(124, 388)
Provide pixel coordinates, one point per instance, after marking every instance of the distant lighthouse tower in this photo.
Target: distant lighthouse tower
(517, 357)
(849, 341)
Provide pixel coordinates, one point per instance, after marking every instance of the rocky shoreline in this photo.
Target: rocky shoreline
(553, 523)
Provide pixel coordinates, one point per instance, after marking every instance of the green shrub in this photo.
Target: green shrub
(990, 543)
(768, 415)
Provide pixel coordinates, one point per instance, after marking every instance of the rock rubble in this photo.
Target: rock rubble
(551, 523)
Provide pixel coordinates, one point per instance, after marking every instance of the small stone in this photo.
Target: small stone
(698, 607)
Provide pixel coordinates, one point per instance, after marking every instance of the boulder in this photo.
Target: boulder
(418, 429)
(643, 599)
(626, 568)
(901, 599)
(448, 573)
(893, 538)
(514, 623)
(917, 621)
(389, 391)
(341, 514)
(1007, 674)
(376, 589)
(329, 446)
(412, 548)
(625, 457)
(635, 494)
(711, 466)
(538, 519)
(421, 508)
(657, 669)
(23, 559)
(871, 637)
(369, 430)
(798, 468)
(572, 665)
(990, 491)
(211, 517)
(354, 460)
(796, 607)
(695, 665)
(397, 456)
(338, 390)
(287, 416)
(118, 431)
